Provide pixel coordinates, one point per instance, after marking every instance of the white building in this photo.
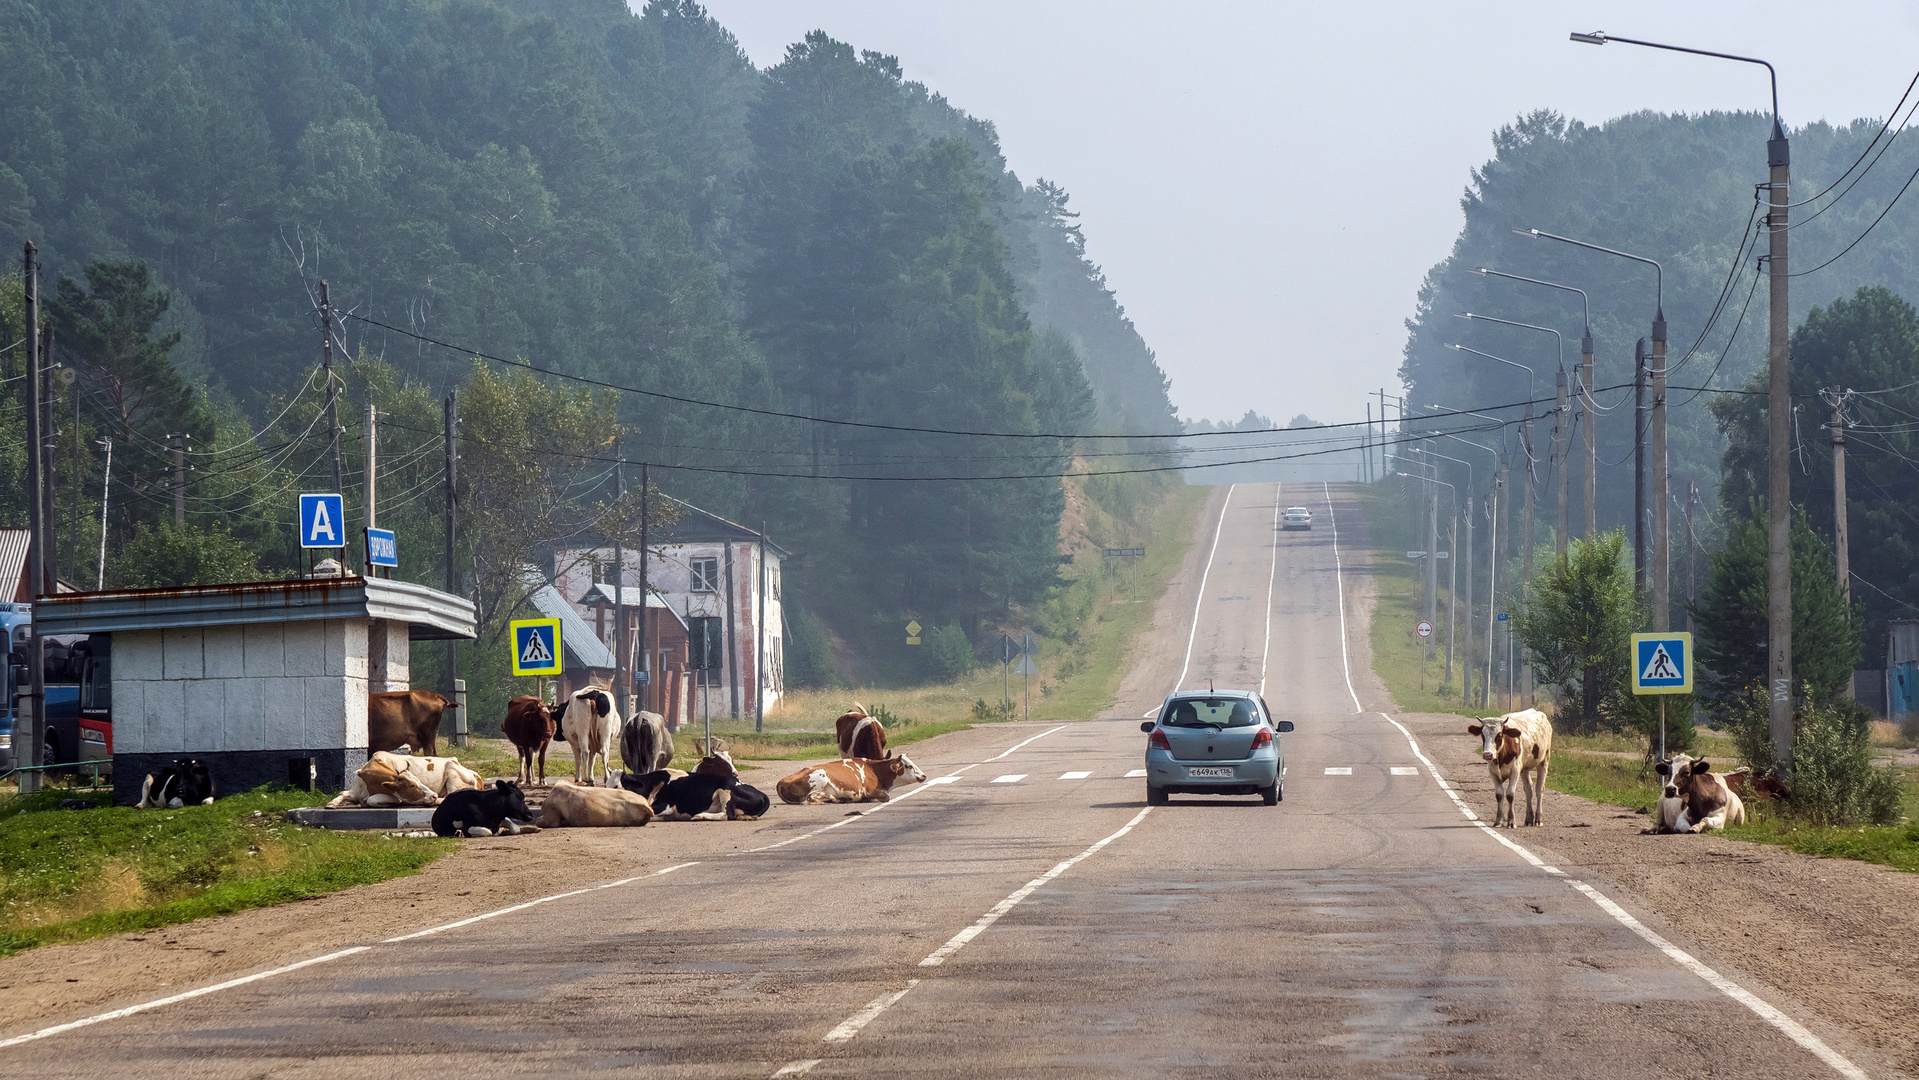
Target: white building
(722, 580)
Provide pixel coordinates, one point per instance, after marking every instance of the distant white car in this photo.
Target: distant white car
(1296, 517)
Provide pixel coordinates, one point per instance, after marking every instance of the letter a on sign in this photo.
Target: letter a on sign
(322, 521)
(536, 646)
(1661, 663)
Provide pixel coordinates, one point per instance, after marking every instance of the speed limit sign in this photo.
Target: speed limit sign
(1424, 629)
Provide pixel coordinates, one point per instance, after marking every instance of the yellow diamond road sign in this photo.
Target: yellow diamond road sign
(913, 632)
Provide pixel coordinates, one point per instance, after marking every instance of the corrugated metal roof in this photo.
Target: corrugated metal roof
(429, 613)
(13, 565)
(576, 636)
(601, 595)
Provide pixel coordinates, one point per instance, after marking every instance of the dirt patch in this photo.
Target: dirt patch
(1840, 937)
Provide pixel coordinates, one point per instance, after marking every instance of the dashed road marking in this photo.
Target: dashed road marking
(1405, 770)
(1074, 775)
(851, 1025)
(1009, 778)
(944, 780)
(798, 1068)
(1340, 770)
(1135, 773)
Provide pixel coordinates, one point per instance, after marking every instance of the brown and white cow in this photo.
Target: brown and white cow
(577, 806)
(848, 780)
(389, 779)
(1518, 746)
(860, 735)
(592, 727)
(409, 718)
(1695, 798)
(529, 726)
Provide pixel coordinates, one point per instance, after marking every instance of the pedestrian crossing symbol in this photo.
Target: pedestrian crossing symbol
(536, 646)
(1662, 663)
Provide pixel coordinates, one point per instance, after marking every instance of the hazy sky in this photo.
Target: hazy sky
(1266, 184)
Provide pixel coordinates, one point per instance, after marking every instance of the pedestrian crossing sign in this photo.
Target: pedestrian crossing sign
(1662, 663)
(536, 646)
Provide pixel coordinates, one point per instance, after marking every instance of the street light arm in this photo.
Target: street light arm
(1532, 389)
(1524, 326)
(1659, 281)
(1585, 306)
(1600, 37)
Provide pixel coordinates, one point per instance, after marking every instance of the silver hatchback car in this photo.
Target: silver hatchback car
(1219, 742)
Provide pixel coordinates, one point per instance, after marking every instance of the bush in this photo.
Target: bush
(948, 653)
(168, 554)
(1834, 781)
(1639, 714)
(809, 656)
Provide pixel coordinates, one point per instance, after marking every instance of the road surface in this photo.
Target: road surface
(1026, 915)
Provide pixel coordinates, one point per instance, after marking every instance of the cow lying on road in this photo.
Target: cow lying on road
(860, 735)
(698, 796)
(499, 809)
(389, 779)
(1695, 798)
(1517, 746)
(848, 780)
(592, 726)
(577, 806)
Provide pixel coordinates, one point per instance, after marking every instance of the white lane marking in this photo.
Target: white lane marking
(1135, 773)
(1009, 778)
(1272, 578)
(1204, 574)
(944, 780)
(1077, 775)
(852, 1024)
(939, 955)
(1405, 770)
(1340, 771)
(1015, 746)
(798, 1068)
(186, 996)
(1787, 1026)
(1339, 586)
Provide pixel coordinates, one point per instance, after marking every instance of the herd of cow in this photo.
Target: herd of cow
(1518, 746)
(588, 722)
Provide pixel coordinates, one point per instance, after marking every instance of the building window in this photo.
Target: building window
(705, 643)
(706, 575)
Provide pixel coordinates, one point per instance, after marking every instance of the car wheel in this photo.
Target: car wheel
(1155, 796)
(1271, 794)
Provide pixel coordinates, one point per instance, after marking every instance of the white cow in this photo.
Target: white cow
(1516, 746)
(592, 727)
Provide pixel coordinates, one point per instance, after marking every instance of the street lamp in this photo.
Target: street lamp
(1492, 552)
(1661, 543)
(1562, 434)
(1779, 406)
(1585, 409)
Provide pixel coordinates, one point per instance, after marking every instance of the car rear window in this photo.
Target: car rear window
(1209, 712)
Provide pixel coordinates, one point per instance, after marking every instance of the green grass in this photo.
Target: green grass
(1896, 846)
(1416, 683)
(69, 875)
(1602, 778)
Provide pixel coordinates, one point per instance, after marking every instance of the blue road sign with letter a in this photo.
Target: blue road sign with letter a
(322, 521)
(1662, 663)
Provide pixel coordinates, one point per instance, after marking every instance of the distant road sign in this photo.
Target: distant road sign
(1027, 645)
(536, 646)
(1424, 629)
(322, 521)
(1662, 663)
(1415, 554)
(1026, 667)
(1124, 553)
(381, 548)
(1008, 649)
(1503, 616)
(913, 632)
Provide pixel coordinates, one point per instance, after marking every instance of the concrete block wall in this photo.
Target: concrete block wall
(245, 699)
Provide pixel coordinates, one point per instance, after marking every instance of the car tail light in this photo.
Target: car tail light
(1262, 737)
(1157, 741)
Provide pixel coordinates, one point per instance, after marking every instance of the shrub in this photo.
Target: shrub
(809, 656)
(1639, 714)
(948, 652)
(1834, 781)
(167, 554)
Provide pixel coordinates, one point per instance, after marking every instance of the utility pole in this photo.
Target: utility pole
(1452, 592)
(106, 489)
(1836, 397)
(1562, 439)
(1591, 479)
(1639, 468)
(1466, 651)
(1492, 590)
(452, 419)
(1692, 553)
(646, 594)
(372, 474)
(177, 480)
(622, 658)
(1368, 443)
(1526, 540)
(332, 391)
(1779, 440)
(1661, 494)
(761, 669)
(1432, 565)
(50, 481)
(26, 743)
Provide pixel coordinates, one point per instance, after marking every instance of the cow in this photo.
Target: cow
(719, 763)
(529, 727)
(186, 782)
(848, 780)
(572, 805)
(1695, 798)
(483, 811)
(748, 802)
(645, 744)
(1518, 747)
(592, 726)
(861, 736)
(405, 718)
(389, 779)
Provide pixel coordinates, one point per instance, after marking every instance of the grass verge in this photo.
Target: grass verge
(69, 875)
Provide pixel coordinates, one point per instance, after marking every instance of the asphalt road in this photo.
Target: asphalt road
(1029, 916)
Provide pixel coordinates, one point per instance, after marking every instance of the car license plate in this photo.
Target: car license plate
(1206, 772)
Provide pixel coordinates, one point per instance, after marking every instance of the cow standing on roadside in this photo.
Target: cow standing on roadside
(592, 726)
(529, 726)
(1517, 746)
(645, 744)
(409, 718)
(860, 735)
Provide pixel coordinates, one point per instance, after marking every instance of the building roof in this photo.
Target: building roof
(601, 595)
(576, 638)
(13, 566)
(430, 614)
(700, 525)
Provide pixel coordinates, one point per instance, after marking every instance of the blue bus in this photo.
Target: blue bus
(79, 688)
